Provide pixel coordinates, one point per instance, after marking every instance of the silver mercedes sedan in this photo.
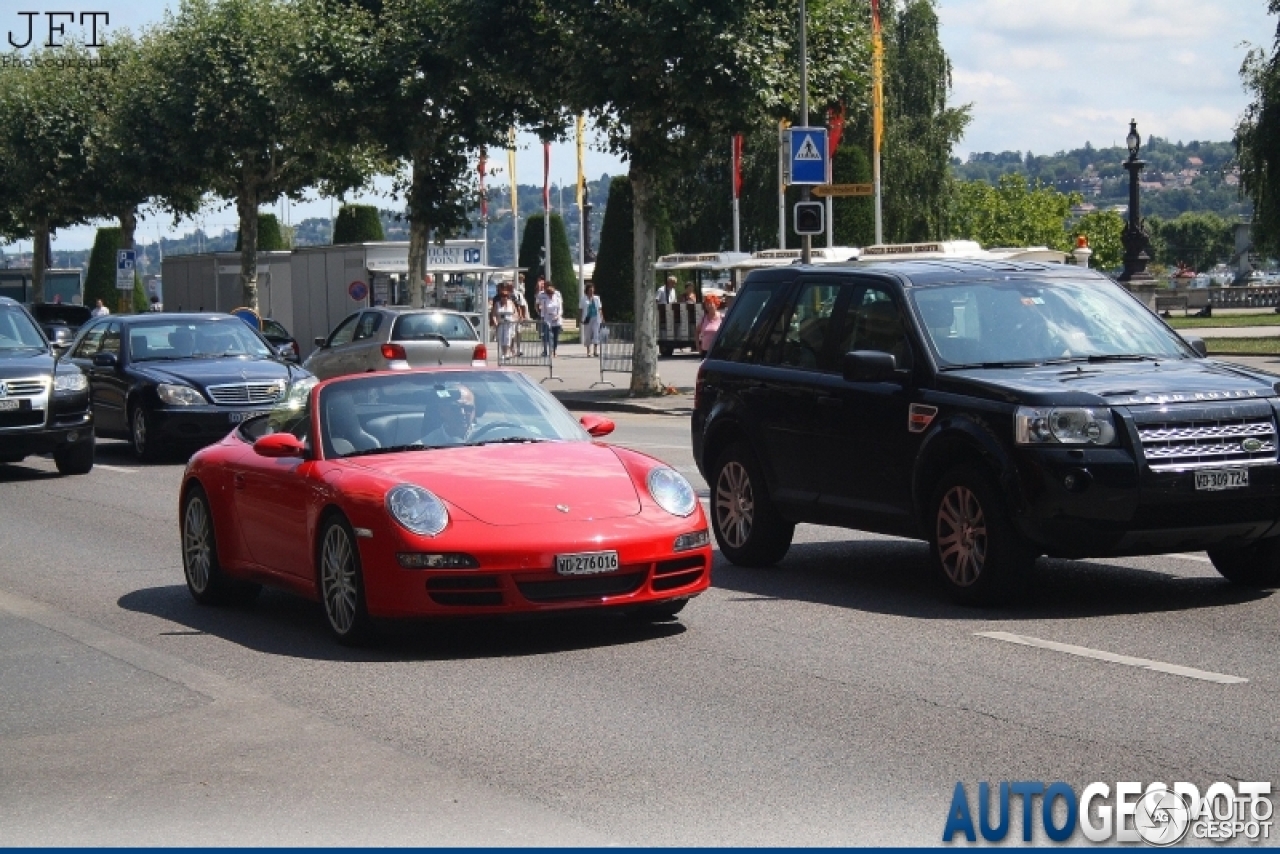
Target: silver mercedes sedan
(392, 338)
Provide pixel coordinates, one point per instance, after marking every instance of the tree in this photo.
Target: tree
(1257, 140)
(1198, 240)
(562, 269)
(357, 224)
(613, 278)
(855, 217)
(100, 280)
(1103, 228)
(1012, 213)
(271, 237)
(229, 100)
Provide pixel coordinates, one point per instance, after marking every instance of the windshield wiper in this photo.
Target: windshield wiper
(395, 449)
(1026, 363)
(507, 440)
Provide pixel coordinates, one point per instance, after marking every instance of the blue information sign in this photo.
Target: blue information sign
(808, 155)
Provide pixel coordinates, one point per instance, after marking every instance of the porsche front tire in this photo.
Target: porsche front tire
(342, 583)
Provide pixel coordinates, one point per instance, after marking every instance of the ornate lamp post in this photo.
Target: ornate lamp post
(1136, 241)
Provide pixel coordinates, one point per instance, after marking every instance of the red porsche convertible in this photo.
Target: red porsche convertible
(438, 492)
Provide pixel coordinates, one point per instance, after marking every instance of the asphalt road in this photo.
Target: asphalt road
(835, 699)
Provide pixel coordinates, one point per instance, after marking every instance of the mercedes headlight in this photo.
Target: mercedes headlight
(298, 392)
(1064, 425)
(179, 395)
(672, 492)
(417, 509)
(68, 381)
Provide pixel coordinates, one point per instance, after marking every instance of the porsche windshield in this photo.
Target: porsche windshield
(1026, 322)
(439, 409)
(197, 338)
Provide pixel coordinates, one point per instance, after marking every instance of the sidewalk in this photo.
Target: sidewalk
(578, 383)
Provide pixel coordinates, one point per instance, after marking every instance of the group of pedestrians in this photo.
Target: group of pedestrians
(510, 307)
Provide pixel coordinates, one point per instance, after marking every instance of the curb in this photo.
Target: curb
(576, 403)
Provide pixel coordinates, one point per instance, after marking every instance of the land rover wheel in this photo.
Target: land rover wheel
(748, 527)
(977, 554)
(1256, 565)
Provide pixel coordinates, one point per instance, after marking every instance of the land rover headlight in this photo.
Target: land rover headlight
(672, 492)
(172, 394)
(417, 509)
(1064, 425)
(69, 381)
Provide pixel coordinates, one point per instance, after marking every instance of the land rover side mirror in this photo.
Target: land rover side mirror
(1197, 344)
(869, 366)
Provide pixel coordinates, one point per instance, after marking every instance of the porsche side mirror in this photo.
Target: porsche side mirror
(105, 360)
(280, 445)
(869, 366)
(596, 425)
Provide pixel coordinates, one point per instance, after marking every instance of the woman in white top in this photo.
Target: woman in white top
(505, 315)
(591, 321)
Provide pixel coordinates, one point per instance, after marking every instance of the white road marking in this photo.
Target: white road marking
(1114, 658)
(115, 468)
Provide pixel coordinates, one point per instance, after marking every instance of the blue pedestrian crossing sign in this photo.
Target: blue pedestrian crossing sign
(808, 155)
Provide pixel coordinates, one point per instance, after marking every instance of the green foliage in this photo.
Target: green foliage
(614, 277)
(1103, 229)
(140, 301)
(100, 281)
(1257, 142)
(1198, 240)
(357, 224)
(562, 263)
(271, 236)
(855, 217)
(1012, 213)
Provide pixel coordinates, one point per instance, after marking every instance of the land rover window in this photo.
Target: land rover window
(749, 308)
(801, 337)
(874, 322)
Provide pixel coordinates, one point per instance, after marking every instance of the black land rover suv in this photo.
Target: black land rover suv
(998, 410)
(44, 403)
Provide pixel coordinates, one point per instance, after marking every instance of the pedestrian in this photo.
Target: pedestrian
(503, 319)
(99, 310)
(690, 295)
(592, 318)
(155, 304)
(709, 325)
(57, 299)
(551, 312)
(522, 302)
(667, 293)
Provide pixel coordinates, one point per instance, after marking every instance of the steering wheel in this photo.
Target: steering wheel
(496, 425)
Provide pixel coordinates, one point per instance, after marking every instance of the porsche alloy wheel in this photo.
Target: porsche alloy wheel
(341, 586)
(206, 581)
(748, 528)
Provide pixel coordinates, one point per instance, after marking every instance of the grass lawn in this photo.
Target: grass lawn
(1243, 346)
(1180, 322)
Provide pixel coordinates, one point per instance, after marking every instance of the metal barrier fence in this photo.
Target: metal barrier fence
(617, 344)
(528, 347)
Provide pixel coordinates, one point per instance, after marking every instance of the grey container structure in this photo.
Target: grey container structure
(211, 282)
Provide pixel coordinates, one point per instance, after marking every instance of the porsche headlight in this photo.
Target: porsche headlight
(179, 395)
(68, 381)
(417, 509)
(672, 492)
(1064, 425)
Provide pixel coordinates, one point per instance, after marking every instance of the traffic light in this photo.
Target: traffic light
(809, 217)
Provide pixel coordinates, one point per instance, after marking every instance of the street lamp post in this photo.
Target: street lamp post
(1136, 241)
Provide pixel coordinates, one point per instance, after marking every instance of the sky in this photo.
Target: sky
(1041, 76)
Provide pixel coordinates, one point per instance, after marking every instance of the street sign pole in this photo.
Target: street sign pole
(806, 244)
(126, 261)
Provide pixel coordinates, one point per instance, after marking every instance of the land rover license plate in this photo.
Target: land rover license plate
(586, 563)
(1215, 480)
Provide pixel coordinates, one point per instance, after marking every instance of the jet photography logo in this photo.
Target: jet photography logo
(1158, 814)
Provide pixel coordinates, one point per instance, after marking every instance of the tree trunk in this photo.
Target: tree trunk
(39, 260)
(128, 226)
(419, 233)
(645, 381)
(247, 207)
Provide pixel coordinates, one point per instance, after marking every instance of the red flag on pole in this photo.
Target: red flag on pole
(737, 165)
(835, 121)
(484, 202)
(546, 176)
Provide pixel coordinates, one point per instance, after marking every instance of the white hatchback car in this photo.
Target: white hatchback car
(389, 338)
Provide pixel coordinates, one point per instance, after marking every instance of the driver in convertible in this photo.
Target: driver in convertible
(453, 417)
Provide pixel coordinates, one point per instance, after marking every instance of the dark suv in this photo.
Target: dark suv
(1000, 411)
(44, 402)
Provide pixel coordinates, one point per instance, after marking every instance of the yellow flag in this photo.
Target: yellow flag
(582, 133)
(877, 76)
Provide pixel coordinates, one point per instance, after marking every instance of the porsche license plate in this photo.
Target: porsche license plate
(586, 563)
(1215, 480)
(9, 405)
